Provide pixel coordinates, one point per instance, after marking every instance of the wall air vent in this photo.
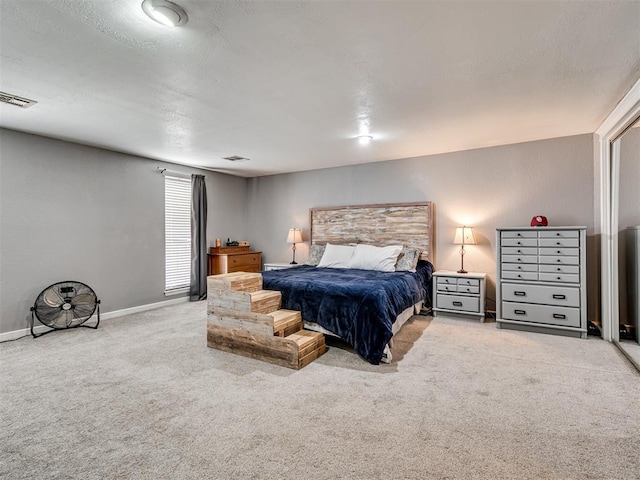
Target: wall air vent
(236, 158)
(15, 100)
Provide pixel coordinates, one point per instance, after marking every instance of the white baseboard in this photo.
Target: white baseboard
(142, 308)
(15, 334)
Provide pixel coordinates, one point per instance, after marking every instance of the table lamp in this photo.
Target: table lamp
(295, 236)
(464, 236)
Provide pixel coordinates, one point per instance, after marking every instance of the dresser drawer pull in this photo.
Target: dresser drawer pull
(559, 316)
(558, 234)
(559, 251)
(558, 296)
(558, 278)
(519, 243)
(520, 294)
(519, 234)
(520, 312)
(457, 304)
(558, 260)
(558, 243)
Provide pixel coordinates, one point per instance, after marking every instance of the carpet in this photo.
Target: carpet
(143, 397)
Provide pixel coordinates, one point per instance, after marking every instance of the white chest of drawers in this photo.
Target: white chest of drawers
(459, 294)
(541, 279)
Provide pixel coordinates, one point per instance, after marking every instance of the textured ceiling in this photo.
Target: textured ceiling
(289, 84)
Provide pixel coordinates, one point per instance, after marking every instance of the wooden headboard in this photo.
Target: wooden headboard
(409, 224)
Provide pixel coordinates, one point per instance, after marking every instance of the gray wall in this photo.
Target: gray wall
(72, 212)
(485, 188)
(629, 209)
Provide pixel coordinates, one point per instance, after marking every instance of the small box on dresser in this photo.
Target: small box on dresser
(459, 294)
(541, 279)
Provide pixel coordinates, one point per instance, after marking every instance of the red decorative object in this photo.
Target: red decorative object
(539, 221)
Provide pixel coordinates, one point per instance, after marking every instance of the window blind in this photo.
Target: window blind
(177, 232)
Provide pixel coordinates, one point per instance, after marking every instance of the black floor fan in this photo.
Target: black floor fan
(65, 305)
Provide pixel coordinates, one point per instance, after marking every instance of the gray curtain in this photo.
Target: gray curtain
(198, 288)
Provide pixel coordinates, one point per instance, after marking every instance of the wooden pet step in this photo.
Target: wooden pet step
(237, 281)
(261, 301)
(246, 320)
(280, 322)
(293, 351)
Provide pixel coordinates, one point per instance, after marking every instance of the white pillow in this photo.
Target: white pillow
(370, 257)
(336, 256)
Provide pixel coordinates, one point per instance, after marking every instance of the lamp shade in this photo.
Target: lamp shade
(464, 236)
(295, 236)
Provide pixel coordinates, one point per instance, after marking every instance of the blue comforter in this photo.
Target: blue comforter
(360, 306)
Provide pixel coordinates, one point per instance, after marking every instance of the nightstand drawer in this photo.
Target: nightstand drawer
(442, 287)
(469, 290)
(524, 312)
(459, 302)
(468, 282)
(562, 296)
(447, 280)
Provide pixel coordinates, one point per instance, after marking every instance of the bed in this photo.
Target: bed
(363, 307)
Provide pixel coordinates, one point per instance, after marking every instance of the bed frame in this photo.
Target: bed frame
(409, 224)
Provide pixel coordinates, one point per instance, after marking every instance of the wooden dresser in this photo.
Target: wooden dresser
(233, 259)
(542, 283)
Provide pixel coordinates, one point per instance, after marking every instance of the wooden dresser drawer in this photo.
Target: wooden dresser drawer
(519, 242)
(559, 277)
(520, 258)
(235, 262)
(515, 275)
(559, 242)
(520, 250)
(544, 314)
(559, 260)
(543, 294)
(519, 234)
(249, 260)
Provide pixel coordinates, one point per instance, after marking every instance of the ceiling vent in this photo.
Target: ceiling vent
(15, 100)
(236, 158)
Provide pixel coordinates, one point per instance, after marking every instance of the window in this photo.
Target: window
(177, 233)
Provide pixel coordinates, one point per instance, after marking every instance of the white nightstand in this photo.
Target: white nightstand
(459, 293)
(278, 266)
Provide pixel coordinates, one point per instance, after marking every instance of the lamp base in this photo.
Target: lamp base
(293, 263)
(462, 271)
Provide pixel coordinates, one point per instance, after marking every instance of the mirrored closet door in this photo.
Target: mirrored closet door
(626, 203)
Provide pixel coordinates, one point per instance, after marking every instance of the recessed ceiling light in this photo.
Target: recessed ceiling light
(165, 12)
(364, 139)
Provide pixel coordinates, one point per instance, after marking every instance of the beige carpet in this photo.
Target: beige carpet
(143, 397)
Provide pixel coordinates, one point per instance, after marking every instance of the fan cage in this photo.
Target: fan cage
(64, 305)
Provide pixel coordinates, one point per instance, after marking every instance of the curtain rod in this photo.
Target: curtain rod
(166, 171)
